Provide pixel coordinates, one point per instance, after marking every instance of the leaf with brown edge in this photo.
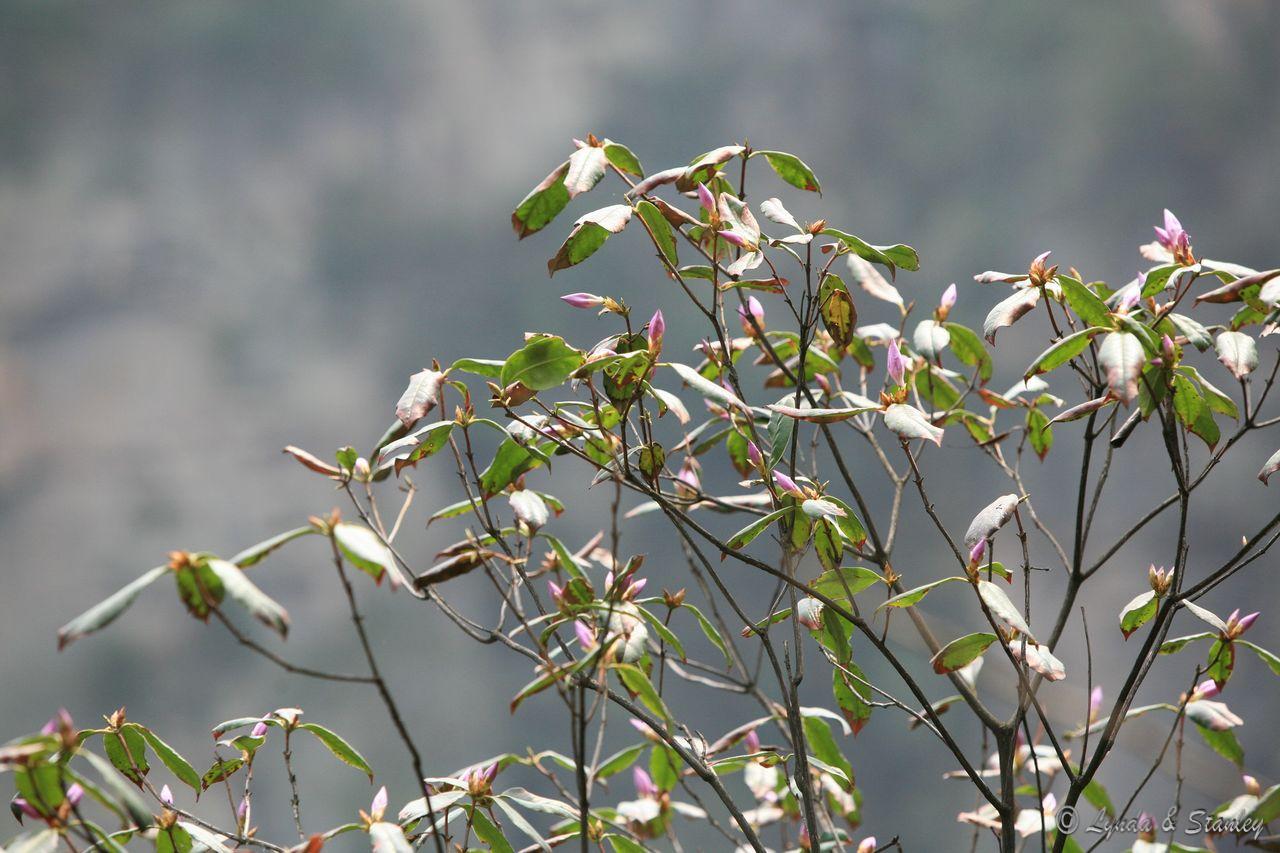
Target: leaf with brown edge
(1138, 612)
(909, 422)
(1002, 609)
(961, 652)
(1271, 466)
(1121, 358)
(313, 462)
(589, 234)
(419, 397)
(1238, 353)
(822, 416)
(543, 203)
(1008, 311)
(839, 314)
(586, 167)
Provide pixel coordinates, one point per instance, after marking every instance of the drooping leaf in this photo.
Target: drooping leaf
(586, 167)
(842, 583)
(1088, 307)
(990, 519)
(791, 169)
(419, 397)
(245, 593)
(891, 257)
(1062, 351)
(1121, 357)
(178, 766)
(367, 552)
(707, 388)
(589, 234)
(621, 158)
(822, 416)
(839, 315)
(256, 553)
(660, 230)
(1002, 609)
(751, 531)
(1238, 353)
(222, 769)
(106, 611)
(968, 347)
(543, 203)
(1008, 311)
(930, 339)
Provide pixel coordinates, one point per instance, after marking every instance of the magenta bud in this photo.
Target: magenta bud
(1166, 349)
(867, 845)
(74, 794)
(1244, 622)
(60, 720)
(379, 804)
(657, 328)
(557, 591)
(1207, 689)
(586, 635)
(753, 310)
(706, 198)
(947, 302)
(897, 366)
(583, 300)
(1146, 823)
(243, 809)
(788, 485)
(259, 730)
(635, 588)
(734, 238)
(21, 807)
(689, 476)
(1095, 700)
(166, 796)
(1132, 295)
(644, 783)
(751, 742)
(978, 553)
(754, 456)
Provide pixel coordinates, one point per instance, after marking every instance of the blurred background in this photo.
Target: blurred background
(226, 227)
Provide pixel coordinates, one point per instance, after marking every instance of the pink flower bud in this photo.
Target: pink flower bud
(867, 845)
(688, 475)
(946, 303)
(754, 456)
(1251, 785)
(21, 807)
(489, 773)
(644, 783)
(751, 742)
(1206, 689)
(1146, 823)
(259, 730)
(60, 720)
(1130, 297)
(897, 366)
(657, 328)
(166, 796)
(1095, 702)
(1243, 624)
(634, 588)
(706, 198)
(556, 591)
(74, 794)
(788, 485)
(242, 810)
(734, 238)
(379, 805)
(978, 553)
(753, 310)
(583, 300)
(586, 635)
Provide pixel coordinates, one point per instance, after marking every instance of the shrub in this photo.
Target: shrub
(777, 395)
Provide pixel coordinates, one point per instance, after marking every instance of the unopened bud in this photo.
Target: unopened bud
(657, 328)
(751, 742)
(166, 796)
(867, 845)
(582, 300)
(706, 198)
(378, 806)
(948, 301)
(1251, 785)
(751, 316)
(896, 366)
(644, 784)
(788, 485)
(754, 456)
(809, 613)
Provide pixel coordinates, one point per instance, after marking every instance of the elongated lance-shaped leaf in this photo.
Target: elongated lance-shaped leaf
(1060, 352)
(913, 596)
(256, 553)
(961, 652)
(342, 750)
(245, 593)
(106, 611)
(755, 528)
(1008, 311)
(1003, 610)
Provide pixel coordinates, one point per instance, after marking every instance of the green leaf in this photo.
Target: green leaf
(833, 583)
(245, 593)
(105, 612)
(968, 347)
(754, 529)
(1088, 307)
(839, 316)
(792, 170)
(510, 462)
(1138, 612)
(1217, 400)
(1039, 432)
(344, 751)
(638, 684)
(619, 761)
(822, 743)
(911, 596)
(1098, 797)
(622, 158)
(1268, 807)
(852, 697)
(622, 844)
(1060, 352)
(890, 257)
(961, 652)
(546, 361)
(1224, 743)
(364, 549)
(664, 767)
(178, 766)
(488, 832)
(487, 367)
(668, 636)
(707, 388)
(1221, 661)
(1269, 658)
(220, 770)
(542, 204)
(660, 230)
(1177, 644)
(709, 630)
(588, 235)
(1192, 409)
